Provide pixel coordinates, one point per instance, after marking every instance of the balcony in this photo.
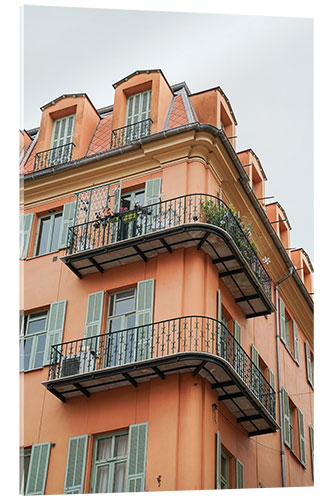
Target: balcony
(197, 220)
(124, 135)
(53, 156)
(194, 344)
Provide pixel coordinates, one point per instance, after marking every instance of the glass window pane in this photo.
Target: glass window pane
(41, 340)
(43, 235)
(125, 306)
(26, 468)
(27, 352)
(104, 449)
(120, 446)
(119, 477)
(124, 295)
(102, 479)
(131, 321)
(115, 325)
(56, 232)
(139, 198)
(36, 324)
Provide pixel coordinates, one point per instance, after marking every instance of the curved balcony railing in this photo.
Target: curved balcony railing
(186, 209)
(159, 339)
(53, 156)
(124, 135)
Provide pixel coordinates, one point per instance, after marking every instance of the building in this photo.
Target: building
(167, 335)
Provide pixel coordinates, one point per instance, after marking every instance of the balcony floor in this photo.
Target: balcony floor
(217, 243)
(232, 390)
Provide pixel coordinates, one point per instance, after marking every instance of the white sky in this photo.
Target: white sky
(263, 64)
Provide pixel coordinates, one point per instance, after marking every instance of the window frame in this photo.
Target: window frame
(24, 453)
(23, 336)
(58, 120)
(50, 233)
(109, 461)
(225, 479)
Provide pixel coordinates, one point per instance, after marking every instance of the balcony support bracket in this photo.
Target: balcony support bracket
(96, 264)
(140, 252)
(57, 394)
(82, 389)
(249, 297)
(167, 246)
(130, 379)
(235, 395)
(248, 418)
(197, 370)
(159, 373)
(202, 241)
(221, 385)
(230, 273)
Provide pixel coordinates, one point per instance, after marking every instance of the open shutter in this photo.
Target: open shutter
(295, 337)
(219, 326)
(218, 461)
(152, 191)
(76, 465)
(144, 316)
(67, 220)
(94, 314)
(238, 354)
(38, 466)
(255, 372)
(137, 453)
(312, 447)
(55, 327)
(301, 437)
(239, 473)
(25, 233)
(151, 219)
(282, 320)
(308, 363)
(286, 419)
(271, 380)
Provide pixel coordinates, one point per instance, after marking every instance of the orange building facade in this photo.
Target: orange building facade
(166, 338)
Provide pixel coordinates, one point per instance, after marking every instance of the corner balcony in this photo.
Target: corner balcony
(53, 156)
(194, 344)
(124, 135)
(198, 220)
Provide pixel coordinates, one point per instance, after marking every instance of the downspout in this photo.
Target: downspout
(277, 330)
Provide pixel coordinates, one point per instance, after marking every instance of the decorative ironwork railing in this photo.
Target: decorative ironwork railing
(53, 156)
(155, 340)
(124, 135)
(163, 215)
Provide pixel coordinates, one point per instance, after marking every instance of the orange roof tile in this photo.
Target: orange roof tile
(102, 137)
(178, 115)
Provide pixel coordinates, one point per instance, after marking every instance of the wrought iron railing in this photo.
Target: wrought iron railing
(156, 340)
(125, 135)
(53, 156)
(163, 215)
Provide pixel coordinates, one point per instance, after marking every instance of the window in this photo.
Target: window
(48, 233)
(109, 465)
(25, 454)
(121, 316)
(288, 332)
(131, 224)
(137, 116)
(38, 466)
(311, 430)
(33, 340)
(288, 410)
(225, 471)
(62, 137)
(239, 473)
(309, 363)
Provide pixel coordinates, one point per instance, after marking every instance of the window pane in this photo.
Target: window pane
(36, 323)
(115, 325)
(104, 449)
(119, 477)
(43, 235)
(102, 479)
(125, 202)
(40, 351)
(120, 446)
(124, 306)
(56, 232)
(130, 321)
(26, 468)
(125, 295)
(27, 353)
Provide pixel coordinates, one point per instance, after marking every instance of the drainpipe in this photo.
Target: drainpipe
(277, 330)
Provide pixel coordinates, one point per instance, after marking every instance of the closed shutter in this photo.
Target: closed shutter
(218, 461)
(271, 380)
(38, 466)
(137, 455)
(144, 316)
(255, 372)
(25, 233)
(67, 220)
(312, 448)
(219, 326)
(94, 314)
(138, 107)
(308, 363)
(295, 337)
(239, 473)
(55, 327)
(301, 437)
(63, 131)
(286, 418)
(76, 465)
(238, 354)
(282, 320)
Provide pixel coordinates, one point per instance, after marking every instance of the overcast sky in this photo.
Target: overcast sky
(263, 64)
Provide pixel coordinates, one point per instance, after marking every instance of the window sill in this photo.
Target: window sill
(296, 457)
(290, 353)
(33, 369)
(44, 254)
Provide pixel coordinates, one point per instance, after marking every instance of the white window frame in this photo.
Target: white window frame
(111, 462)
(23, 336)
(24, 453)
(50, 234)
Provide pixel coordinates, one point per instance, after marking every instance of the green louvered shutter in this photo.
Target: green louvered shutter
(255, 373)
(312, 448)
(144, 316)
(295, 337)
(67, 220)
(271, 380)
(137, 454)
(219, 326)
(152, 195)
(309, 368)
(218, 461)
(76, 465)
(38, 466)
(301, 437)
(238, 354)
(55, 327)
(94, 314)
(282, 320)
(286, 417)
(25, 233)
(239, 473)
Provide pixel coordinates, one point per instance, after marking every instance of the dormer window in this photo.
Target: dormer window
(62, 139)
(137, 116)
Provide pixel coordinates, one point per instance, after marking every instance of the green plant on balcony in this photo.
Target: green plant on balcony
(213, 212)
